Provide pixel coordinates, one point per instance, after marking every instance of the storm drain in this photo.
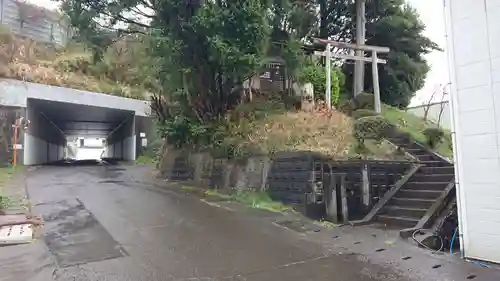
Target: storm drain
(74, 236)
(16, 234)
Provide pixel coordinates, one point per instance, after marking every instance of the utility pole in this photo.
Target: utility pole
(359, 66)
(328, 71)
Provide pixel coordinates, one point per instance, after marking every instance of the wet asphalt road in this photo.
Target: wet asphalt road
(106, 223)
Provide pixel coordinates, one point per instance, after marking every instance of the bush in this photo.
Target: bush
(360, 113)
(361, 101)
(78, 64)
(371, 128)
(316, 75)
(433, 136)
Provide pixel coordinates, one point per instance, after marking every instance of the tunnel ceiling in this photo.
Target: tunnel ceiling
(81, 120)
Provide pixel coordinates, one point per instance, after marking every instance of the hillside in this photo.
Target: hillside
(414, 126)
(259, 127)
(27, 60)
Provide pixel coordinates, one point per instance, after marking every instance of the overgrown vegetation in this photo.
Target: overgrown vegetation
(72, 67)
(416, 126)
(198, 55)
(253, 199)
(315, 74)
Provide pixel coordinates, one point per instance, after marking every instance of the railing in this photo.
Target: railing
(349, 189)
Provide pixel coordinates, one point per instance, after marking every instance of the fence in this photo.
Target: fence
(34, 22)
(349, 189)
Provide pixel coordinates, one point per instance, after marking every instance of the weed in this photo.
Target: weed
(145, 160)
(325, 224)
(188, 188)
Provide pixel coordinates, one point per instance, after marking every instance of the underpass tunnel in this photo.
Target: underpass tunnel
(121, 142)
(55, 124)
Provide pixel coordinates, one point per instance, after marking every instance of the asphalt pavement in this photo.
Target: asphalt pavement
(112, 222)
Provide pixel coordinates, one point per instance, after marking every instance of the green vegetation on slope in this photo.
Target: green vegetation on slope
(72, 67)
(415, 127)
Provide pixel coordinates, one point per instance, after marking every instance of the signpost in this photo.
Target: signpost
(375, 50)
(20, 122)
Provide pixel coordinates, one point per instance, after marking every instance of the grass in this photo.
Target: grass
(253, 199)
(266, 127)
(24, 59)
(145, 160)
(5, 176)
(414, 126)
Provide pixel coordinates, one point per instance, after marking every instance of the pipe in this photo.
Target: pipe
(454, 127)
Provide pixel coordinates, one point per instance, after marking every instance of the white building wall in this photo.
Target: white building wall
(474, 51)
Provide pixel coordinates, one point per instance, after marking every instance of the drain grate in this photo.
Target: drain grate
(380, 250)
(406, 258)
(357, 242)
(472, 276)
(436, 266)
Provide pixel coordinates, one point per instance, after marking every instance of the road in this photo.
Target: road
(105, 222)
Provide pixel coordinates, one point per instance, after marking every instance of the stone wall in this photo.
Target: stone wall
(298, 179)
(287, 177)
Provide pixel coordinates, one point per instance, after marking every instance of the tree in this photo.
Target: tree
(204, 51)
(394, 24)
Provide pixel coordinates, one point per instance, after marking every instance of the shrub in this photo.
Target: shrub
(361, 101)
(316, 75)
(77, 63)
(371, 128)
(360, 113)
(433, 136)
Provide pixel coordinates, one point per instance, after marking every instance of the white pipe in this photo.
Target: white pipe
(455, 128)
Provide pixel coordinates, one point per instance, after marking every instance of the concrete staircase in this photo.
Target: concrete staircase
(418, 199)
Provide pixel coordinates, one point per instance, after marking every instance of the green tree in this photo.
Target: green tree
(204, 51)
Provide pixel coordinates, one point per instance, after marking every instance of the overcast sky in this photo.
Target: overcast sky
(431, 13)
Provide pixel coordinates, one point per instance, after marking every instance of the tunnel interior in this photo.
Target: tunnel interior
(55, 127)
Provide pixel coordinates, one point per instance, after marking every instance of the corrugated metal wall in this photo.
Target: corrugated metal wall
(33, 22)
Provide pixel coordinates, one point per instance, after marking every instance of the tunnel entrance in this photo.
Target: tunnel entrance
(60, 130)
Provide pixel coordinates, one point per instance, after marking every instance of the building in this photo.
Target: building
(474, 29)
(36, 23)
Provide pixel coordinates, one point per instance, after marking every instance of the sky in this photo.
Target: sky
(432, 14)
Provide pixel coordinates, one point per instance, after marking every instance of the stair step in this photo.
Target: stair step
(416, 151)
(438, 170)
(420, 177)
(398, 211)
(411, 202)
(434, 163)
(437, 186)
(397, 221)
(425, 157)
(419, 194)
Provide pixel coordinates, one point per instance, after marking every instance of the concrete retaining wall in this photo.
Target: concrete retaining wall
(43, 141)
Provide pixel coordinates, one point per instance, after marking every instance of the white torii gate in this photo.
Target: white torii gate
(375, 50)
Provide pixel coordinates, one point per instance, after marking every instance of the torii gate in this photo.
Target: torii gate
(375, 50)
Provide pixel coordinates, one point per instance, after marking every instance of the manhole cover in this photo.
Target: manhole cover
(16, 234)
